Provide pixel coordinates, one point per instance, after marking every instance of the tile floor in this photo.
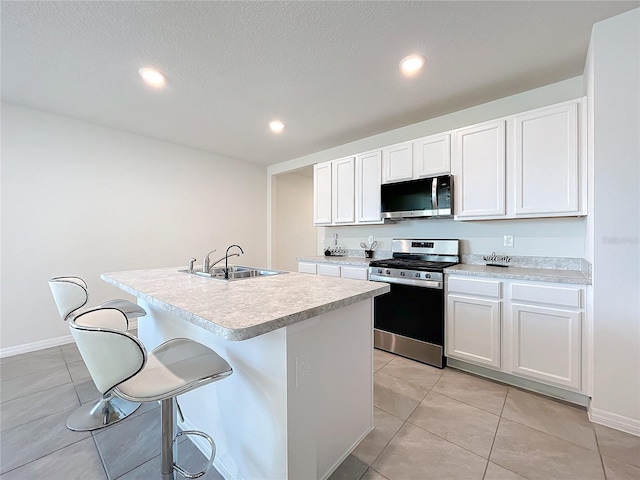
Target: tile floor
(429, 424)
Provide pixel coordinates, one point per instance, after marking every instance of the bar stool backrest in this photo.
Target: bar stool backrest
(69, 293)
(109, 352)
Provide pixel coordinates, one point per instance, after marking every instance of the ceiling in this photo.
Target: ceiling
(328, 69)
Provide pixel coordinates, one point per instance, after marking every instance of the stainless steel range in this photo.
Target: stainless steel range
(409, 320)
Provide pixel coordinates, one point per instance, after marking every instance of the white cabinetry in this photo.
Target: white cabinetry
(424, 157)
(531, 330)
(368, 181)
(432, 155)
(333, 270)
(546, 333)
(523, 166)
(328, 270)
(474, 313)
(480, 187)
(397, 162)
(322, 209)
(343, 190)
(547, 161)
(347, 191)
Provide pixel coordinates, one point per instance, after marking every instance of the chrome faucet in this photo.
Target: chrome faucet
(226, 259)
(205, 261)
(213, 264)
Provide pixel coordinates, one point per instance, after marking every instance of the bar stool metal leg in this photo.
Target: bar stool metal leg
(169, 447)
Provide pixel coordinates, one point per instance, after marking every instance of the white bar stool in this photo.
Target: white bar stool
(118, 362)
(71, 294)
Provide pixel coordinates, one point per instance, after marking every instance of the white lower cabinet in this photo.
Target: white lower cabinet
(333, 270)
(546, 344)
(328, 270)
(474, 330)
(307, 267)
(474, 315)
(535, 331)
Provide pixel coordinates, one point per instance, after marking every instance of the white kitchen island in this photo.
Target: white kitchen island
(300, 398)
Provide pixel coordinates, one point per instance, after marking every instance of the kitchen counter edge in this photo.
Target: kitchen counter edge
(576, 277)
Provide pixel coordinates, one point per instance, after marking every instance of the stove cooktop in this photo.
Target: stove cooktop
(412, 264)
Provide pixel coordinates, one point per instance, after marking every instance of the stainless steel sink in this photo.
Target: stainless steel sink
(236, 272)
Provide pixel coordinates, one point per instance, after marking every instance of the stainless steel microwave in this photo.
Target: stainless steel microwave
(422, 198)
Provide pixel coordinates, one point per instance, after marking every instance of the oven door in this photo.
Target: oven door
(409, 321)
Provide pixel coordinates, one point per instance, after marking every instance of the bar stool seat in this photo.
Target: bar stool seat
(70, 294)
(118, 362)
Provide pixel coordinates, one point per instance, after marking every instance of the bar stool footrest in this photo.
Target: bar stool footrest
(198, 433)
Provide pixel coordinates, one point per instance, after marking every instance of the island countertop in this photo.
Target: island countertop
(243, 309)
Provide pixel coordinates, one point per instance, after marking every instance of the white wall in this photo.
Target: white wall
(553, 237)
(293, 232)
(613, 79)
(80, 199)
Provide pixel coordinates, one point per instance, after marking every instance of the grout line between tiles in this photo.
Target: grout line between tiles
(42, 456)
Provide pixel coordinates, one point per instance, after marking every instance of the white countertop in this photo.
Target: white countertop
(242, 309)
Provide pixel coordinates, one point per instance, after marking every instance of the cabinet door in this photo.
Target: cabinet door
(368, 180)
(480, 170)
(397, 163)
(432, 155)
(546, 344)
(306, 267)
(547, 161)
(343, 190)
(473, 330)
(328, 270)
(322, 193)
(357, 273)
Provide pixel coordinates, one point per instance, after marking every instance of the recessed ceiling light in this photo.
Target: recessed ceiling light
(412, 64)
(152, 77)
(276, 126)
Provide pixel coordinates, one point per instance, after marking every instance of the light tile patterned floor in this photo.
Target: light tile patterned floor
(429, 424)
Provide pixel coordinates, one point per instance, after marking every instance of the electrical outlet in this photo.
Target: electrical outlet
(508, 240)
(302, 369)
(370, 239)
(322, 240)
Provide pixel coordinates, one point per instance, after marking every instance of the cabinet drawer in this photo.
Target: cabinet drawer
(549, 295)
(328, 270)
(485, 288)
(304, 267)
(357, 273)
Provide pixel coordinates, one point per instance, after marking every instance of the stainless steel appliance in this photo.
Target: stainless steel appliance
(425, 197)
(409, 320)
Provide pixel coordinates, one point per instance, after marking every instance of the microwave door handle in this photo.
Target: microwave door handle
(434, 193)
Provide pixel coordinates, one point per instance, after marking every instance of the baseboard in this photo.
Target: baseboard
(613, 420)
(32, 347)
(52, 342)
(202, 445)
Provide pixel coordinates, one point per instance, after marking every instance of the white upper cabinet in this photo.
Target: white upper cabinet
(480, 163)
(343, 190)
(526, 165)
(547, 161)
(368, 180)
(432, 155)
(322, 209)
(347, 191)
(397, 162)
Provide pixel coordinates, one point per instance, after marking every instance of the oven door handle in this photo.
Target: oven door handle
(406, 281)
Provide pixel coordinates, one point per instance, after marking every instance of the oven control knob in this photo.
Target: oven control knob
(387, 272)
(379, 270)
(417, 275)
(402, 274)
(427, 275)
